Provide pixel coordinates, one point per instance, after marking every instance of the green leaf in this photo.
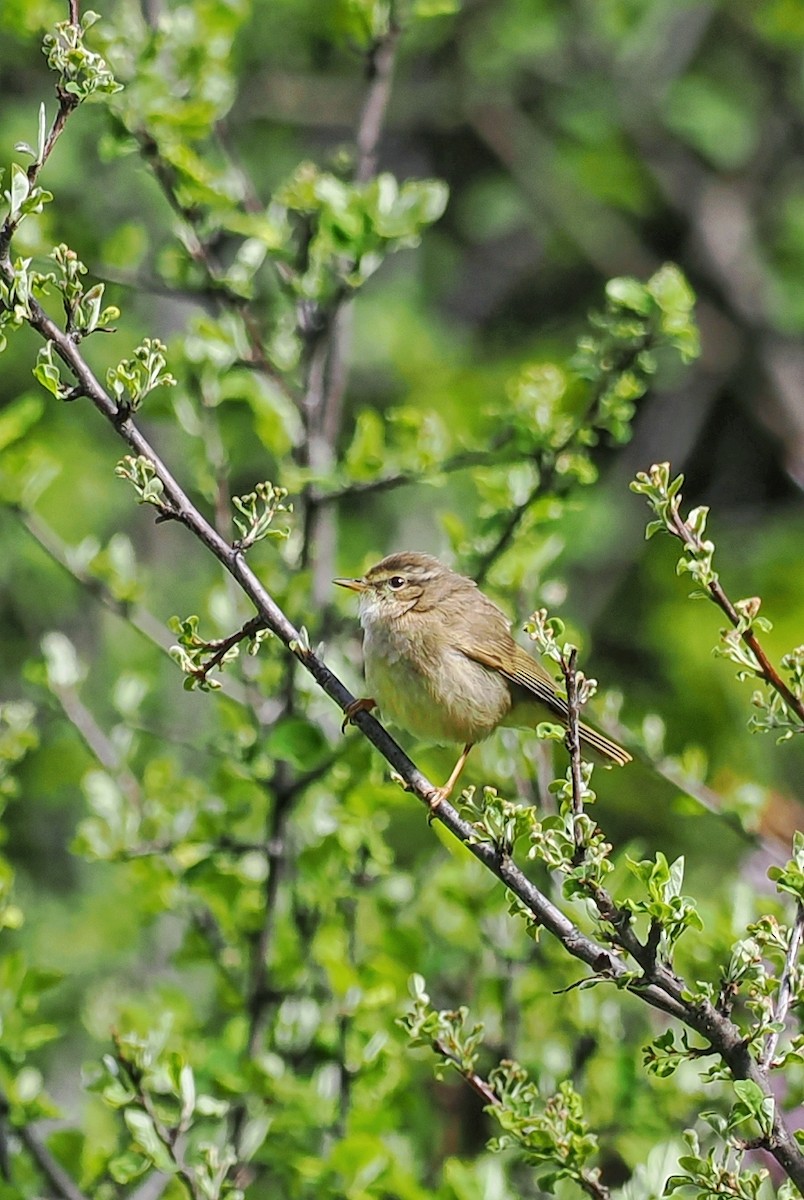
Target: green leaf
(145, 1137)
(629, 293)
(20, 187)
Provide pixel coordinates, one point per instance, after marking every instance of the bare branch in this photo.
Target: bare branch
(379, 72)
(97, 741)
(327, 374)
(138, 617)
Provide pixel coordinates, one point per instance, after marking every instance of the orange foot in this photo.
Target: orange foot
(439, 794)
(364, 704)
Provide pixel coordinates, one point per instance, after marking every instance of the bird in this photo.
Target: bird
(440, 661)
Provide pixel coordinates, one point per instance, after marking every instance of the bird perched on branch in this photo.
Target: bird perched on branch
(441, 663)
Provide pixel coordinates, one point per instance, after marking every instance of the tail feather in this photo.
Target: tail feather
(609, 749)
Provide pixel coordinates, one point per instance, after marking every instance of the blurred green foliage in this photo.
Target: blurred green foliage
(216, 902)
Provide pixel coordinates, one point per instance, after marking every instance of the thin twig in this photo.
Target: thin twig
(97, 741)
(222, 646)
(476, 1082)
(785, 993)
(589, 1183)
(138, 617)
(689, 537)
(573, 744)
(379, 72)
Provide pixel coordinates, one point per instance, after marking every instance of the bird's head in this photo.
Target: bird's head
(402, 582)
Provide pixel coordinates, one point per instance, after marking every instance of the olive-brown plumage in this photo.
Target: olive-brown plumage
(441, 663)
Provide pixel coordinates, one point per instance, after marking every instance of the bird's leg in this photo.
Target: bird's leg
(441, 793)
(364, 704)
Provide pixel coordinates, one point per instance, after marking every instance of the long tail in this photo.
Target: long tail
(609, 749)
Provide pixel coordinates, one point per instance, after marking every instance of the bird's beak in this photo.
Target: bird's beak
(354, 585)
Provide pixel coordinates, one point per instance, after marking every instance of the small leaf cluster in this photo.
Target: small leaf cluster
(619, 359)
(167, 1123)
(551, 1134)
(83, 309)
(18, 286)
(142, 475)
(790, 878)
(134, 378)
(197, 656)
(47, 372)
(497, 822)
(737, 642)
(546, 631)
(664, 1055)
(663, 494)
(572, 843)
(23, 197)
(82, 72)
(774, 713)
(344, 230)
(553, 840)
(717, 1176)
(457, 1043)
(666, 908)
(257, 510)
(758, 970)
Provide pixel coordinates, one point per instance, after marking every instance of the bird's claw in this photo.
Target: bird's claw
(363, 704)
(434, 800)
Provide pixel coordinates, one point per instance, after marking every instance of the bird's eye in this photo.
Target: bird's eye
(396, 582)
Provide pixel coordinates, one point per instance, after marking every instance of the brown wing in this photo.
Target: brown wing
(498, 651)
